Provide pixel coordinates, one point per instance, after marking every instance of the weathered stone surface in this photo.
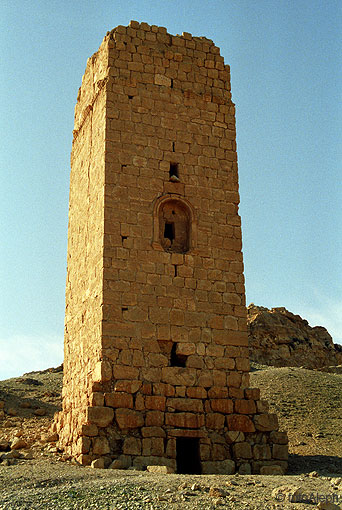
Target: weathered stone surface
(222, 405)
(261, 452)
(280, 338)
(118, 399)
(98, 463)
(279, 437)
(122, 462)
(240, 422)
(129, 419)
(280, 451)
(242, 450)
(100, 446)
(100, 416)
(266, 422)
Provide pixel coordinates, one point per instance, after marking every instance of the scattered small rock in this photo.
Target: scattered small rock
(313, 474)
(215, 492)
(161, 470)
(18, 443)
(4, 445)
(40, 411)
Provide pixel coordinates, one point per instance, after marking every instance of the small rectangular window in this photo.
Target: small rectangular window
(173, 172)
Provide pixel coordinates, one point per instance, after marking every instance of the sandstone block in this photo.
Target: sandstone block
(279, 437)
(262, 406)
(127, 386)
(222, 405)
(97, 399)
(280, 451)
(261, 452)
(179, 376)
(100, 416)
(252, 393)
(240, 422)
(98, 463)
(214, 421)
(184, 420)
(242, 450)
(153, 432)
(196, 392)
(185, 404)
(218, 392)
(132, 446)
(244, 406)
(153, 446)
(154, 402)
(100, 446)
(118, 399)
(265, 422)
(83, 444)
(122, 462)
(234, 436)
(125, 372)
(102, 371)
(154, 419)
(129, 419)
(89, 430)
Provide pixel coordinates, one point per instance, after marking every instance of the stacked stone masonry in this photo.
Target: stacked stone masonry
(156, 346)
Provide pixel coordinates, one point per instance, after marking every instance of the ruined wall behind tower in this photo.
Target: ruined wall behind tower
(156, 347)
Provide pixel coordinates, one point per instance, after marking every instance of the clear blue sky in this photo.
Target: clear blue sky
(285, 59)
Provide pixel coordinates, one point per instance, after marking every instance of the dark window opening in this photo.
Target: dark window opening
(176, 270)
(173, 146)
(173, 172)
(130, 97)
(124, 309)
(177, 360)
(172, 83)
(188, 456)
(123, 238)
(174, 225)
(169, 231)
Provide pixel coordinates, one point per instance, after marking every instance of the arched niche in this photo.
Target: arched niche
(174, 226)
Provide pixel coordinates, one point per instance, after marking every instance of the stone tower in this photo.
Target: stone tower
(156, 366)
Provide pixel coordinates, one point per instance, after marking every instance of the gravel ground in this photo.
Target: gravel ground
(46, 483)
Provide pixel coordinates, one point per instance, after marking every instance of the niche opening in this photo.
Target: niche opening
(177, 360)
(174, 226)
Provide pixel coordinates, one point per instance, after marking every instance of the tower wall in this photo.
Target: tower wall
(156, 346)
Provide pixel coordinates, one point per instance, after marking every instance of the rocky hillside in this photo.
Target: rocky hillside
(280, 338)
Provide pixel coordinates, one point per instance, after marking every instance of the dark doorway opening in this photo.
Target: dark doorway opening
(187, 456)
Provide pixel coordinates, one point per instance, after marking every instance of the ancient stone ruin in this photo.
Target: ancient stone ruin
(156, 368)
